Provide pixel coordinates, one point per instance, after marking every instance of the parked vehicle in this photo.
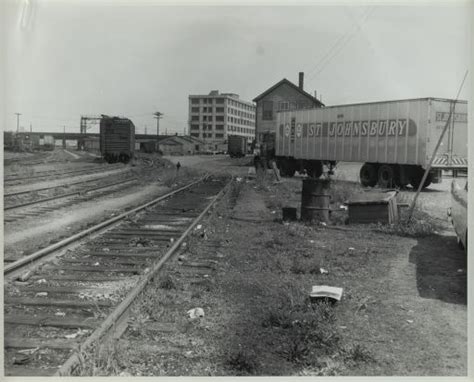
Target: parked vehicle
(236, 146)
(394, 140)
(117, 139)
(457, 213)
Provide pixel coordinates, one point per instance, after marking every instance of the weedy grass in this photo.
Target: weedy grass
(421, 223)
(242, 362)
(103, 360)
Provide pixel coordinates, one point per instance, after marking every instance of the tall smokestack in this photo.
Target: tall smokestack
(301, 80)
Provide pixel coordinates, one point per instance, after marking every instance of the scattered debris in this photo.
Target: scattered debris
(323, 224)
(159, 227)
(106, 249)
(238, 179)
(21, 359)
(410, 321)
(41, 281)
(25, 276)
(96, 264)
(60, 314)
(199, 226)
(79, 332)
(41, 294)
(323, 271)
(289, 214)
(28, 351)
(351, 249)
(324, 291)
(195, 313)
(172, 240)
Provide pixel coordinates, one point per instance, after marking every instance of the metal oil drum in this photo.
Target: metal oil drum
(315, 200)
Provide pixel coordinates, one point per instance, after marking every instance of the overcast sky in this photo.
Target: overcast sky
(68, 59)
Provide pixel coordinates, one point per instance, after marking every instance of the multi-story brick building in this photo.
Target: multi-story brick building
(284, 95)
(215, 116)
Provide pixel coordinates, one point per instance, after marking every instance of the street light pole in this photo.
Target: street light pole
(18, 122)
(158, 116)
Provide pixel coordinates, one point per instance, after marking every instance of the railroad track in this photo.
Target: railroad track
(11, 213)
(58, 173)
(76, 293)
(38, 157)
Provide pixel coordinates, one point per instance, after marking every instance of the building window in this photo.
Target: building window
(195, 135)
(195, 101)
(194, 127)
(220, 118)
(284, 106)
(195, 118)
(267, 110)
(219, 109)
(195, 109)
(219, 127)
(219, 135)
(220, 100)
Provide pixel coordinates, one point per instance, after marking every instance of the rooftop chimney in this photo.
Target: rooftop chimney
(301, 80)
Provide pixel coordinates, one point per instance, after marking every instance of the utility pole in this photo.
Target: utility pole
(158, 116)
(64, 137)
(145, 130)
(31, 128)
(18, 122)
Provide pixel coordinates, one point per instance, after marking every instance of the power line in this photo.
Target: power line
(337, 48)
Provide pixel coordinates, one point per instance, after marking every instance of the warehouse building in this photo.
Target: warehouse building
(181, 145)
(213, 117)
(284, 95)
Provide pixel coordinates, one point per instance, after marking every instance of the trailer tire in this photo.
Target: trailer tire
(387, 176)
(368, 175)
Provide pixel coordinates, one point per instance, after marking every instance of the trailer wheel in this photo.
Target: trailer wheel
(368, 175)
(387, 176)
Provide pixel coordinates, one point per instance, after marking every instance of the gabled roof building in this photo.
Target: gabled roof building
(284, 95)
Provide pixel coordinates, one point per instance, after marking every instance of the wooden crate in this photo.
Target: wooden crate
(373, 207)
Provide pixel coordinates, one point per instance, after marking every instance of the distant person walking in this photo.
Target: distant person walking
(178, 166)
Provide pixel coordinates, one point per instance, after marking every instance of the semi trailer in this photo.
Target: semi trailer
(236, 146)
(393, 139)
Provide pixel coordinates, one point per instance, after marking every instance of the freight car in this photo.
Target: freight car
(117, 139)
(394, 140)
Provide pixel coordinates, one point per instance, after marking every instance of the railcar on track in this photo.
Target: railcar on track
(117, 139)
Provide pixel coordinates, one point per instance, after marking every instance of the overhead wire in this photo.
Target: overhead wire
(338, 46)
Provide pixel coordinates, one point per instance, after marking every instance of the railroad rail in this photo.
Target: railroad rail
(77, 292)
(66, 195)
(54, 173)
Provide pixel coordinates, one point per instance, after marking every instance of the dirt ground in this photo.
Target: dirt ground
(403, 310)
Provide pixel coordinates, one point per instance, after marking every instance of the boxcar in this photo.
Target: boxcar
(117, 139)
